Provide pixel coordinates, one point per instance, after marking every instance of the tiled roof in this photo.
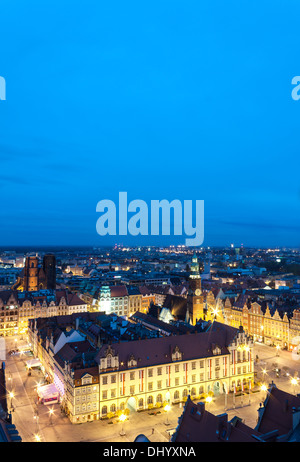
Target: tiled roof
(277, 413)
(198, 425)
(155, 351)
(118, 291)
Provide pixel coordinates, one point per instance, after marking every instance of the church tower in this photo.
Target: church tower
(31, 274)
(195, 297)
(49, 267)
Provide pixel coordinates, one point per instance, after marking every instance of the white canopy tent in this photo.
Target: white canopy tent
(48, 393)
(33, 363)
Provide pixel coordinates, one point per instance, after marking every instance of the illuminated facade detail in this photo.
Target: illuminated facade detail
(261, 325)
(8, 313)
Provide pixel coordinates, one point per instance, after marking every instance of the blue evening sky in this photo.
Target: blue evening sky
(162, 99)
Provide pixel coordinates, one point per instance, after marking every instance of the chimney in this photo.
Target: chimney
(221, 422)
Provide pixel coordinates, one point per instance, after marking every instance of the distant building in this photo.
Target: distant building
(16, 308)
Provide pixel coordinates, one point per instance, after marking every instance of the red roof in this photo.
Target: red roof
(118, 291)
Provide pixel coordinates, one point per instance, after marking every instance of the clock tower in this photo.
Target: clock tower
(195, 298)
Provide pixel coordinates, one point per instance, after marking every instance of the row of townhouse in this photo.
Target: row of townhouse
(16, 308)
(143, 374)
(263, 323)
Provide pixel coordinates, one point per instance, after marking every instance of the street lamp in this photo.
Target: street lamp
(167, 408)
(51, 412)
(264, 388)
(122, 419)
(11, 395)
(36, 418)
(208, 399)
(37, 438)
(294, 382)
(277, 348)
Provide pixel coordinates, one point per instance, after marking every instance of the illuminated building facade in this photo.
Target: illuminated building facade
(145, 374)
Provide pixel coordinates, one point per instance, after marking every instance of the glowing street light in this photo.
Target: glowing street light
(277, 348)
(122, 419)
(11, 395)
(167, 408)
(37, 438)
(264, 388)
(294, 382)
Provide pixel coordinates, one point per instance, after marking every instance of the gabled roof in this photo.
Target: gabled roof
(118, 291)
(277, 413)
(198, 425)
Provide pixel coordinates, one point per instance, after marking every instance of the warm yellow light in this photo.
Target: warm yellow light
(208, 399)
(277, 347)
(167, 407)
(37, 438)
(51, 411)
(11, 395)
(294, 381)
(263, 387)
(264, 371)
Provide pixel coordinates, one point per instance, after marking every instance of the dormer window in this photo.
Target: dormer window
(108, 361)
(132, 361)
(216, 350)
(176, 355)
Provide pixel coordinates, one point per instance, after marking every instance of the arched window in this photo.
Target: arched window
(109, 361)
(193, 392)
(113, 408)
(159, 398)
(141, 402)
(150, 399)
(185, 393)
(201, 390)
(122, 406)
(176, 394)
(104, 410)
